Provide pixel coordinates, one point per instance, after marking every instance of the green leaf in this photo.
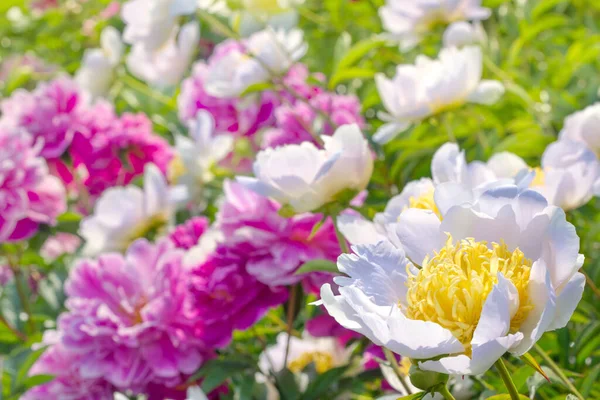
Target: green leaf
(358, 51)
(257, 88)
(36, 380)
(287, 386)
(26, 366)
(590, 380)
(506, 397)
(529, 360)
(322, 382)
(318, 266)
(414, 396)
(215, 372)
(349, 74)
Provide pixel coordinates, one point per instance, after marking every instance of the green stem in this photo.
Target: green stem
(22, 293)
(392, 360)
(557, 370)
(508, 382)
(443, 390)
(341, 239)
(146, 90)
(290, 320)
(15, 331)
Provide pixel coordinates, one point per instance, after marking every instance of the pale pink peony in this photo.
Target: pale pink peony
(67, 384)
(58, 245)
(49, 114)
(275, 246)
(129, 318)
(29, 196)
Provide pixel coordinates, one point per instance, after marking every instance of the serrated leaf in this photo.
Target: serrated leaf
(319, 265)
(529, 360)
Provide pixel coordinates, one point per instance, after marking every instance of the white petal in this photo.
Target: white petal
(506, 165)
(450, 194)
(567, 301)
(358, 230)
(389, 131)
(420, 234)
(487, 92)
(449, 164)
(542, 295)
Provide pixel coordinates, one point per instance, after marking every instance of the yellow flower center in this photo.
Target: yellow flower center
(539, 178)
(323, 362)
(148, 229)
(424, 202)
(451, 288)
(176, 169)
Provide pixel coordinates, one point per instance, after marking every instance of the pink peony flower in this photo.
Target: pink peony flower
(29, 196)
(275, 246)
(239, 117)
(48, 113)
(68, 384)
(186, 235)
(295, 122)
(129, 318)
(227, 297)
(58, 245)
(108, 150)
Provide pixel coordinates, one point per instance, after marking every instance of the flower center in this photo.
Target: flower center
(451, 288)
(149, 229)
(540, 177)
(323, 362)
(176, 169)
(424, 202)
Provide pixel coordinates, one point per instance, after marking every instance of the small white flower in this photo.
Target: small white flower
(431, 86)
(460, 34)
(324, 353)
(148, 23)
(197, 154)
(503, 270)
(96, 73)
(124, 214)
(584, 126)
(165, 67)
(409, 20)
(269, 54)
(306, 177)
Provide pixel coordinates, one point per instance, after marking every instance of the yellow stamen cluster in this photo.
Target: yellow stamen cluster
(539, 178)
(424, 202)
(451, 288)
(323, 362)
(176, 169)
(149, 229)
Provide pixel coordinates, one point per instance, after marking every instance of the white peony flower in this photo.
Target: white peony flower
(568, 176)
(431, 86)
(460, 34)
(124, 214)
(96, 73)
(409, 20)
(306, 177)
(197, 154)
(165, 67)
(324, 353)
(491, 277)
(584, 126)
(269, 54)
(148, 23)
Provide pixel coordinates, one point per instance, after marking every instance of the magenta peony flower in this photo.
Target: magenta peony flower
(50, 113)
(129, 318)
(186, 235)
(108, 150)
(227, 297)
(67, 384)
(29, 196)
(275, 246)
(294, 122)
